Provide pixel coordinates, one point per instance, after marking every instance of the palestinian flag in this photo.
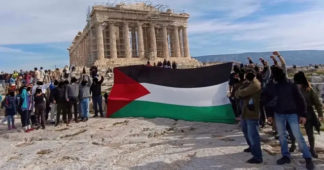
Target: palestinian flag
(188, 94)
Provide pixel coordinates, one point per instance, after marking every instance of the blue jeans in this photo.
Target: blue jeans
(97, 101)
(85, 107)
(250, 130)
(11, 121)
(292, 120)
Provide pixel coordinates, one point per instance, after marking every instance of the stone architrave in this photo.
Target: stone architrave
(141, 51)
(100, 42)
(165, 42)
(153, 41)
(185, 42)
(128, 53)
(113, 44)
(176, 42)
(133, 32)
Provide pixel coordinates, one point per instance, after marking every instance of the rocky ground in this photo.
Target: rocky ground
(138, 144)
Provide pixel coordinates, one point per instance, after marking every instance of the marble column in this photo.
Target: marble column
(185, 42)
(112, 38)
(134, 45)
(153, 41)
(128, 53)
(141, 52)
(165, 41)
(100, 42)
(176, 42)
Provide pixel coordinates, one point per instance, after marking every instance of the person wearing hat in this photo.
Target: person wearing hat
(249, 93)
(312, 100)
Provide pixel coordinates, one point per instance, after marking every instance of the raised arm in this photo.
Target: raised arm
(102, 79)
(275, 62)
(250, 60)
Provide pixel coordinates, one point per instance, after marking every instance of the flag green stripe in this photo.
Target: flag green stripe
(219, 114)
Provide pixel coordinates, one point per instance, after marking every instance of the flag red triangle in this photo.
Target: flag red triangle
(124, 91)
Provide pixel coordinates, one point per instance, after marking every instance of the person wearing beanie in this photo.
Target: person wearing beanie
(312, 101)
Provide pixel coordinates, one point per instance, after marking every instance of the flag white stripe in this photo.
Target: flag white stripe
(201, 97)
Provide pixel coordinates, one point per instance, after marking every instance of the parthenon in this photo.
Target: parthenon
(131, 34)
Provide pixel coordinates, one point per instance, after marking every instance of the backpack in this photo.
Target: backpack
(10, 102)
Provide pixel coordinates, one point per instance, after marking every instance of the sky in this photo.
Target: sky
(38, 33)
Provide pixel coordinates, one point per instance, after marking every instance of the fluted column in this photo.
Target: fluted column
(128, 53)
(100, 42)
(185, 42)
(165, 42)
(112, 38)
(141, 51)
(153, 41)
(176, 42)
(134, 45)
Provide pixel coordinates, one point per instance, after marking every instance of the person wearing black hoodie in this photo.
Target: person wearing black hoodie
(40, 106)
(289, 107)
(95, 90)
(60, 100)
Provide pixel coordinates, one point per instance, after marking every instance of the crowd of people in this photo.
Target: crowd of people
(164, 64)
(260, 93)
(42, 96)
(45, 96)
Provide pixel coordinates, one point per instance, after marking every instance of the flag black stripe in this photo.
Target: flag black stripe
(181, 78)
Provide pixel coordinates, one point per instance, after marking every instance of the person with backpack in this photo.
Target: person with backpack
(25, 105)
(249, 92)
(11, 109)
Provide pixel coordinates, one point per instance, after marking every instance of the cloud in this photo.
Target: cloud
(10, 50)
(215, 26)
(39, 21)
(290, 31)
(294, 31)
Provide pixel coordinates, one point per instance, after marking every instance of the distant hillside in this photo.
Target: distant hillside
(298, 57)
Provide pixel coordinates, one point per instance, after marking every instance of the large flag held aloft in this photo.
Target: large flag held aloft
(197, 94)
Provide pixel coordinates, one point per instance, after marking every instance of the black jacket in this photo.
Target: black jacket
(284, 98)
(59, 94)
(95, 88)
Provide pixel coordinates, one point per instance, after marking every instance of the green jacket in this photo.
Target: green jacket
(312, 100)
(250, 93)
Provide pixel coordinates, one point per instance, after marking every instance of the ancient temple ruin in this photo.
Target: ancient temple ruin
(132, 34)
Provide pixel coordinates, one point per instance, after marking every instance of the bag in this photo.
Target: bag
(250, 105)
(10, 102)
